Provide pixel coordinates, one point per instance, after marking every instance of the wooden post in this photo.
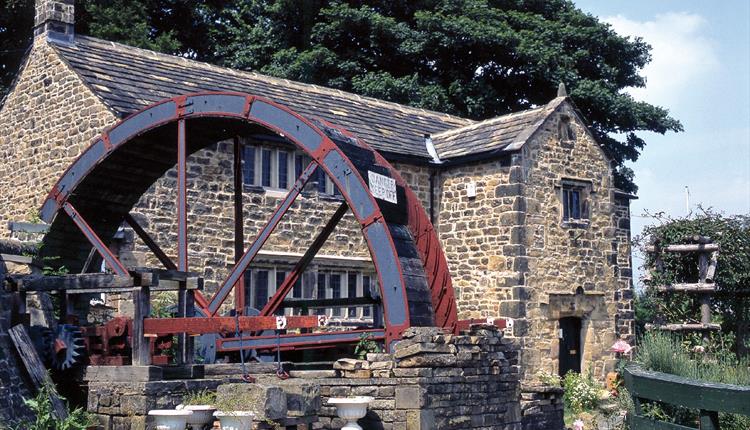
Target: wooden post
(709, 420)
(189, 340)
(705, 299)
(37, 372)
(181, 306)
(141, 344)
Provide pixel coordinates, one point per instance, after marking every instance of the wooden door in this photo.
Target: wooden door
(570, 345)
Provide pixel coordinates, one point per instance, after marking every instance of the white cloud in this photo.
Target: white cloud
(681, 55)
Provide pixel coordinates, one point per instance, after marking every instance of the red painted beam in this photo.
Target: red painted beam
(203, 325)
(112, 261)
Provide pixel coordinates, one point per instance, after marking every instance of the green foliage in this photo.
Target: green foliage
(665, 353)
(202, 397)
(582, 393)
(550, 379)
(16, 26)
(365, 345)
(41, 406)
(474, 58)
(732, 311)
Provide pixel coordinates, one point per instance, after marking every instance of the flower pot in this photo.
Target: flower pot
(169, 419)
(202, 416)
(235, 420)
(351, 409)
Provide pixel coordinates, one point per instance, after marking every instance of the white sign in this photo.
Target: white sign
(382, 187)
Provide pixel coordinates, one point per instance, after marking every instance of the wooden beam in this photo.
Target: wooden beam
(202, 325)
(684, 327)
(141, 345)
(687, 288)
(37, 372)
(83, 281)
(691, 247)
(18, 259)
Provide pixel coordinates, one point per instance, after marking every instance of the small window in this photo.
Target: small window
(261, 289)
(351, 292)
(335, 288)
(367, 310)
(565, 129)
(575, 205)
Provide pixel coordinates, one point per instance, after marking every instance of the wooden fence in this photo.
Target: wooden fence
(708, 397)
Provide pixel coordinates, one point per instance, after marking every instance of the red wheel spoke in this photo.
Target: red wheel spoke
(94, 239)
(265, 233)
(275, 301)
(150, 243)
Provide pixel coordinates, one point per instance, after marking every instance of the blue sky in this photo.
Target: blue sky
(700, 71)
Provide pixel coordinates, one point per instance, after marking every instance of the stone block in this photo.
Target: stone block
(410, 397)
(513, 309)
(266, 401)
(302, 398)
(350, 364)
(428, 360)
(357, 374)
(424, 348)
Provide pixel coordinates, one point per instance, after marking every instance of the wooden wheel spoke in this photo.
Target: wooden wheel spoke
(252, 251)
(299, 268)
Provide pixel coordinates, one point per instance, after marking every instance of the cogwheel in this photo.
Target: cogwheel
(43, 339)
(68, 347)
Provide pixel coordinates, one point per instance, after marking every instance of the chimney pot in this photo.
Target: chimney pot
(55, 19)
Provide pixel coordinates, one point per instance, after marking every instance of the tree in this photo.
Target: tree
(473, 58)
(731, 305)
(16, 26)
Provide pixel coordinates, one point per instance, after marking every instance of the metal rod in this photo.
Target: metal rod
(252, 251)
(94, 239)
(150, 243)
(275, 301)
(239, 225)
(182, 260)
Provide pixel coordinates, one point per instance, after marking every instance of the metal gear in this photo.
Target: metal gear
(68, 347)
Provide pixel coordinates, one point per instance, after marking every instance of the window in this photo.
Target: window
(263, 282)
(575, 205)
(277, 168)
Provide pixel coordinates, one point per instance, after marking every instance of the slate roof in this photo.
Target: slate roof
(128, 79)
(501, 134)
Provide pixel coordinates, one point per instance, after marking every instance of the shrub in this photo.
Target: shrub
(202, 397)
(582, 393)
(41, 406)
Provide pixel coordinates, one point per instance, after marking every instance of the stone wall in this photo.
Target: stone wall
(123, 405)
(47, 119)
(542, 407)
(433, 381)
(572, 266)
(14, 388)
(480, 235)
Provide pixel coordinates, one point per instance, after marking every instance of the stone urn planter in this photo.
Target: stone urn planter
(169, 419)
(351, 409)
(202, 416)
(235, 420)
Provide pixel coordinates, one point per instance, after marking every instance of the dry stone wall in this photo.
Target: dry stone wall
(48, 118)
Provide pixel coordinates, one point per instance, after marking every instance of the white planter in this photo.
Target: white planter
(235, 420)
(203, 415)
(351, 409)
(169, 419)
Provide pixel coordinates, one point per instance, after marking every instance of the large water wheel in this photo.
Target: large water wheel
(95, 195)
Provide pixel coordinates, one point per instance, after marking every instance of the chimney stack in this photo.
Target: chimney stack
(55, 19)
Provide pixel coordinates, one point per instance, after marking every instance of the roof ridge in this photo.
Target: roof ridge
(485, 122)
(281, 81)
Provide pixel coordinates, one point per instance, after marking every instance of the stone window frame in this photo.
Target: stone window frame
(584, 188)
(274, 275)
(295, 161)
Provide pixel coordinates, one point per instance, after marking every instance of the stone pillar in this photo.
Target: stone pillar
(55, 19)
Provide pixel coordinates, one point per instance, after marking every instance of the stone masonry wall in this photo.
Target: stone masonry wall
(434, 381)
(542, 407)
(48, 118)
(573, 268)
(480, 235)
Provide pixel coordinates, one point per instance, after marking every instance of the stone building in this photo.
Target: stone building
(532, 225)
